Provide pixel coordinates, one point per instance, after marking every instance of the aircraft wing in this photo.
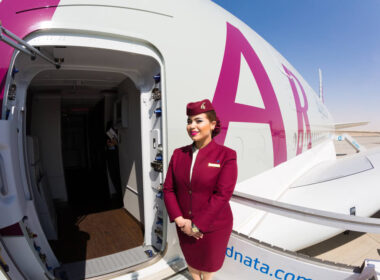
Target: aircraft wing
(347, 125)
(347, 186)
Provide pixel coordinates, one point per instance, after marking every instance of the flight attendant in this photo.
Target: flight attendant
(198, 186)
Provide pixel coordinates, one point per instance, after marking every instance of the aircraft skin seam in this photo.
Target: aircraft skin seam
(93, 5)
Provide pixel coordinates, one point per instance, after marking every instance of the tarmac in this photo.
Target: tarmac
(369, 140)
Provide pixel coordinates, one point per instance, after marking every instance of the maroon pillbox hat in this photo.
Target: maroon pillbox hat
(195, 108)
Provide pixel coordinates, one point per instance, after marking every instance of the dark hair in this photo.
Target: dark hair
(211, 116)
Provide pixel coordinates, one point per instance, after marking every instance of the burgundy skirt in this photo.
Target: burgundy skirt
(205, 254)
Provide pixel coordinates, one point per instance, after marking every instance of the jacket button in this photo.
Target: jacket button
(189, 212)
(190, 191)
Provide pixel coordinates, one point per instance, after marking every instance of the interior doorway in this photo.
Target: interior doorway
(84, 156)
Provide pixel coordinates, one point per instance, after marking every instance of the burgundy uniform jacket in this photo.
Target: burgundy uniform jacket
(204, 200)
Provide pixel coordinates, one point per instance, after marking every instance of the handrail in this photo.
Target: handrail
(23, 46)
(326, 218)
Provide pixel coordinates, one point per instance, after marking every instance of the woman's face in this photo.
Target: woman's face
(199, 127)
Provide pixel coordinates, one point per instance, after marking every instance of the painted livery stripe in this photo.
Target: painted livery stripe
(21, 25)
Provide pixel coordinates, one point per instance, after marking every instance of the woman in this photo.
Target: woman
(199, 183)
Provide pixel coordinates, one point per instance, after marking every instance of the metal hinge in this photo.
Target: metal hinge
(16, 42)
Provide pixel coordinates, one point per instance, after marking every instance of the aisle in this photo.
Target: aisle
(93, 235)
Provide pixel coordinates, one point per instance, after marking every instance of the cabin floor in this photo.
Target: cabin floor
(86, 233)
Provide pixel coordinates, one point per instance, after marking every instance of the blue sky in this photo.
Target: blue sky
(342, 37)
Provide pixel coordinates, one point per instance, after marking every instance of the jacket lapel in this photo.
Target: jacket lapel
(202, 155)
(186, 164)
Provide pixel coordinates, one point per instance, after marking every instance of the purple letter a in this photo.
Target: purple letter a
(225, 94)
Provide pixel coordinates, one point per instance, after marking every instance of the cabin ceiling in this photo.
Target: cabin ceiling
(76, 79)
(92, 67)
(87, 74)
(76, 87)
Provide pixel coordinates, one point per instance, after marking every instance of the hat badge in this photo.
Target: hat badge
(203, 106)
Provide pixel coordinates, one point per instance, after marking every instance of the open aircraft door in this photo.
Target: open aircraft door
(20, 231)
(12, 195)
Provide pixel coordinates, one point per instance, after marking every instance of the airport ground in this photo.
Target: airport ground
(367, 139)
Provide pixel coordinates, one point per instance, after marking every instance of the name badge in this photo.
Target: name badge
(213, 164)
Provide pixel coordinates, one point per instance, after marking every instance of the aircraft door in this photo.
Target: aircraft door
(12, 198)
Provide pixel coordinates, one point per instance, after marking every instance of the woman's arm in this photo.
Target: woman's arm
(171, 203)
(224, 188)
(170, 197)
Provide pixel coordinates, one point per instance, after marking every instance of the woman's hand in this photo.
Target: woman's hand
(197, 235)
(180, 221)
(185, 226)
(187, 229)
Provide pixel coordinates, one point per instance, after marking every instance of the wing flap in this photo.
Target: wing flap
(347, 125)
(333, 170)
(344, 186)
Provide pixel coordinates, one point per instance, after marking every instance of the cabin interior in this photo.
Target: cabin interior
(85, 159)
(83, 174)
